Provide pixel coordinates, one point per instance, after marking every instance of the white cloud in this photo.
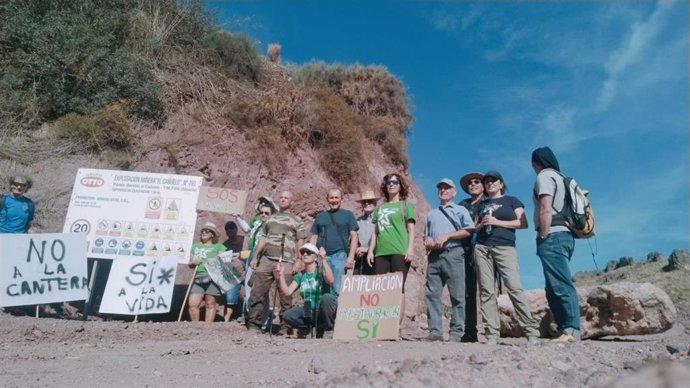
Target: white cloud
(632, 50)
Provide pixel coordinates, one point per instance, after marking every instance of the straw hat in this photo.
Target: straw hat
(367, 195)
(212, 227)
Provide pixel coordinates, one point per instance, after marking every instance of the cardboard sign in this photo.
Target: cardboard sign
(129, 215)
(42, 268)
(140, 286)
(222, 200)
(369, 307)
(226, 270)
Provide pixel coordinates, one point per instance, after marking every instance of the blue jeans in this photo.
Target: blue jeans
(446, 267)
(337, 263)
(555, 253)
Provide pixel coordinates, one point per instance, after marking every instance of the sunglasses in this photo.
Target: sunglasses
(18, 184)
(205, 231)
(307, 253)
(392, 182)
(367, 203)
(265, 213)
(474, 182)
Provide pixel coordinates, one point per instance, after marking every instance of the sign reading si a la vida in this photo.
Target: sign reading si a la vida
(129, 215)
(42, 268)
(140, 286)
(369, 307)
(222, 200)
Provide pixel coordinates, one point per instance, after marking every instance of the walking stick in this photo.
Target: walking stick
(275, 293)
(186, 294)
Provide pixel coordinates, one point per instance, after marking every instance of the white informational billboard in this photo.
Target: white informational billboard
(42, 268)
(128, 214)
(141, 285)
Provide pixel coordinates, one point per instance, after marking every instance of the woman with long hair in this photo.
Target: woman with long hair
(391, 244)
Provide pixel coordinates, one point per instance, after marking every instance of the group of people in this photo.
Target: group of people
(469, 245)
(472, 244)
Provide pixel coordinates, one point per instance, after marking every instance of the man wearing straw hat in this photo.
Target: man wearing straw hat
(16, 210)
(367, 200)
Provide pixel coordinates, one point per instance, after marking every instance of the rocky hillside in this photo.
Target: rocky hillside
(193, 100)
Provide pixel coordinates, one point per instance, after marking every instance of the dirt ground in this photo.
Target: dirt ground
(69, 352)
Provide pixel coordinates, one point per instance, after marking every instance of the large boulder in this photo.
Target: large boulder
(616, 309)
(679, 259)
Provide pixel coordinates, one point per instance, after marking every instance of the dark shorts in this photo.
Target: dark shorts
(208, 288)
(392, 263)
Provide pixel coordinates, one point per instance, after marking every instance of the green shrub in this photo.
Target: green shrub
(109, 126)
(233, 53)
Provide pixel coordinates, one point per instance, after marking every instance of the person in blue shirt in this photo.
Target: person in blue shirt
(16, 210)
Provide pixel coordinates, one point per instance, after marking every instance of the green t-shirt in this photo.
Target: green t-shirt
(392, 238)
(311, 286)
(206, 252)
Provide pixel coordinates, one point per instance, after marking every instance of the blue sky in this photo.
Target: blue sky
(604, 84)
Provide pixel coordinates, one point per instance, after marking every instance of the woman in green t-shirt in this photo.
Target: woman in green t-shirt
(315, 287)
(391, 245)
(203, 288)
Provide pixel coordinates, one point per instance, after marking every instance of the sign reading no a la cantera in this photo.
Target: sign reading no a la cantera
(369, 307)
(42, 268)
(142, 285)
(128, 214)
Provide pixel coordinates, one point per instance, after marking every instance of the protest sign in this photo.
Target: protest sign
(369, 307)
(226, 270)
(42, 268)
(128, 214)
(142, 285)
(222, 200)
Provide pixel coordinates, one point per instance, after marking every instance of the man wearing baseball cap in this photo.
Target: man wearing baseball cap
(446, 226)
(16, 210)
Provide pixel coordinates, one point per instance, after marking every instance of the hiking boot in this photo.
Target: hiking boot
(456, 338)
(469, 338)
(532, 339)
(303, 333)
(434, 337)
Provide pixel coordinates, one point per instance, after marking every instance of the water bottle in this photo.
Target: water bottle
(489, 228)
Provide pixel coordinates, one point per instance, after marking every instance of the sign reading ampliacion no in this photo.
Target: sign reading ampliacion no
(369, 307)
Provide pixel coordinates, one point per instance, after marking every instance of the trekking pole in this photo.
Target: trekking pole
(275, 293)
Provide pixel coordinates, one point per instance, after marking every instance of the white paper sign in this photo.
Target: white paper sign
(142, 285)
(130, 215)
(42, 268)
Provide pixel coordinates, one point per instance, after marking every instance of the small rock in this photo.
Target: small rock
(316, 366)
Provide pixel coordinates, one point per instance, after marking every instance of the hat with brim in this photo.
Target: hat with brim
(268, 200)
(367, 195)
(310, 248)
(445, 181)
(465, 180)
(212, 227)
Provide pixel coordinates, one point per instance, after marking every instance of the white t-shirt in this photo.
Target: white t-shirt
(549, 182)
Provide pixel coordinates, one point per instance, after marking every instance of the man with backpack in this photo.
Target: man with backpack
(16, 210)
(555, 243)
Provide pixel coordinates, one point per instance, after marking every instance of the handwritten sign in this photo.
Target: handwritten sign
(42, 268)
(226, 270)
(140, 286)
(222, 200)
(127, 214)
(369, 307)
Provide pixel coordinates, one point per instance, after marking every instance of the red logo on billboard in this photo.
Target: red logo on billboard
(92, 181)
